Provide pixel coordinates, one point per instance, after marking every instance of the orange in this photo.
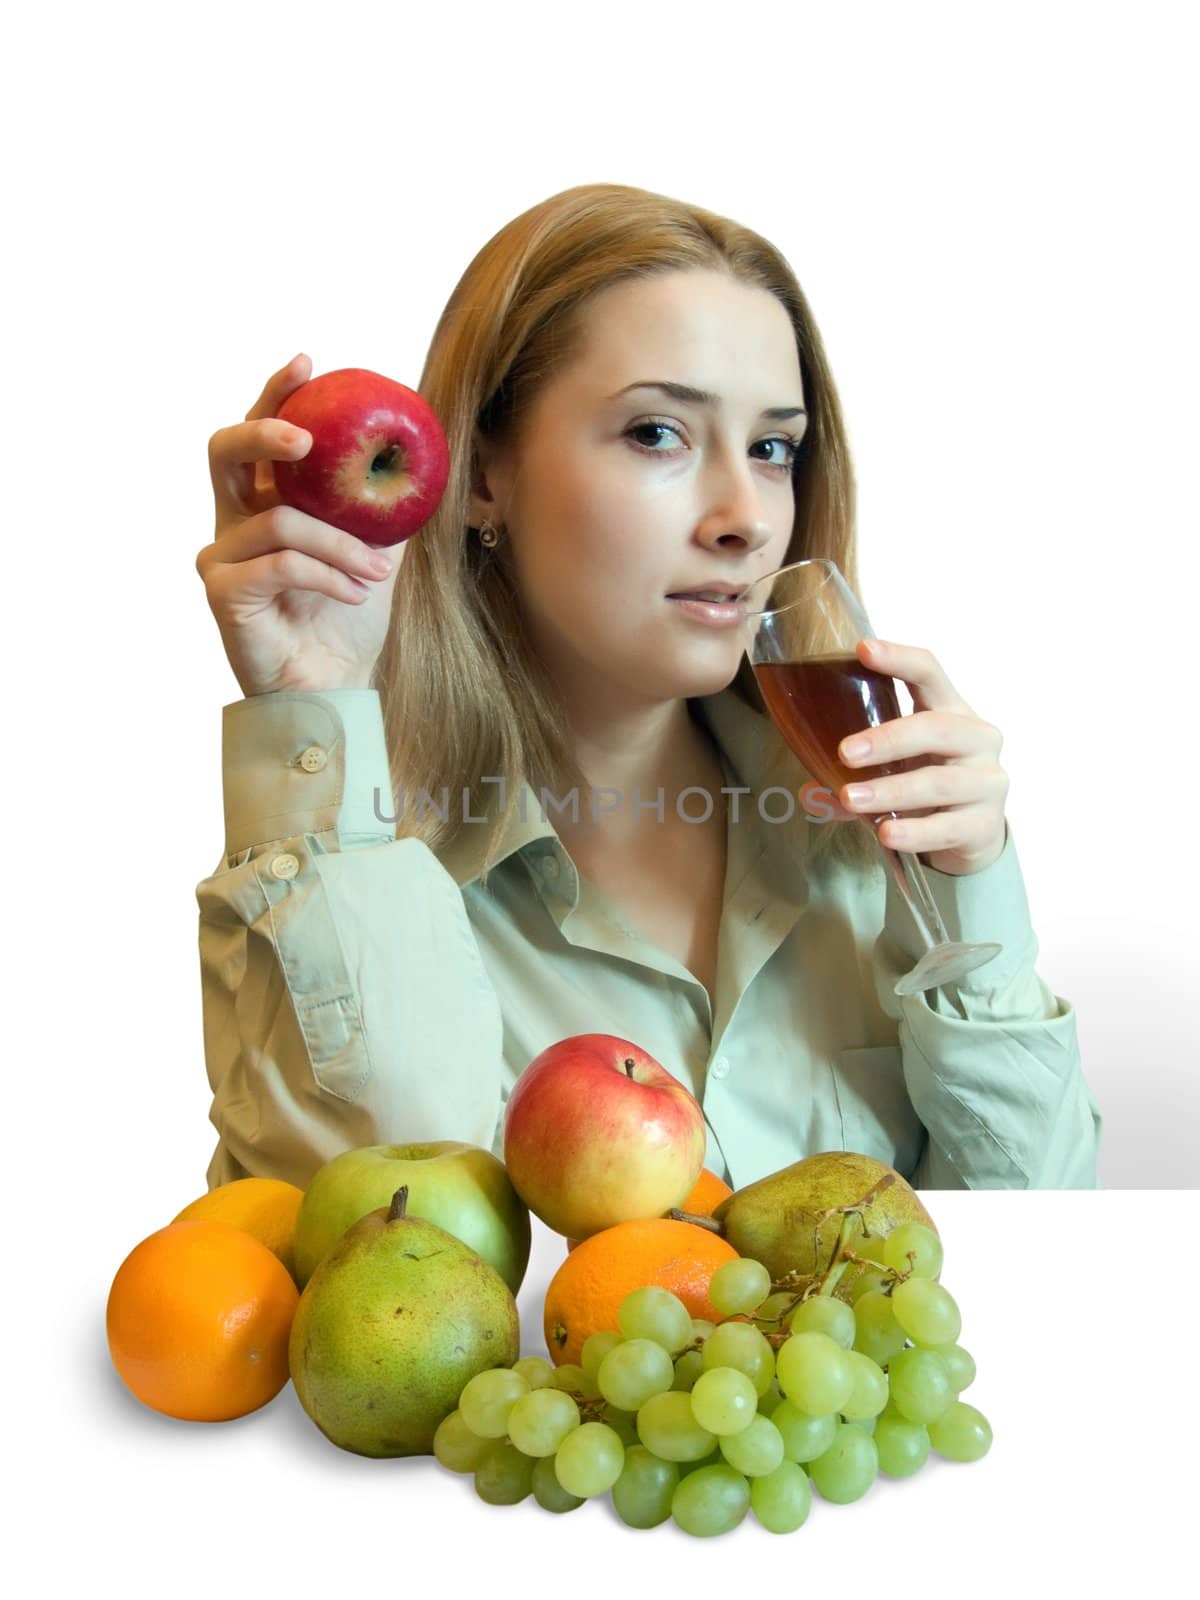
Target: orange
(585, 1293)
(707, 1195)
(198, 1321)
(265, 1207)
(702, 1202)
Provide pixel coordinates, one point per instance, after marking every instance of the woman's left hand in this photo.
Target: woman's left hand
(964, 787)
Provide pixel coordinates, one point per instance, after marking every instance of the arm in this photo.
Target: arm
(345, 1001)
(991, 1063)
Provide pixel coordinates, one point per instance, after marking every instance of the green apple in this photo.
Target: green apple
(461, 1187)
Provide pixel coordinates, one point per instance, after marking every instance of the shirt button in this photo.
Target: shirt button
(313, 759)
(285, 866)
(720, 1067)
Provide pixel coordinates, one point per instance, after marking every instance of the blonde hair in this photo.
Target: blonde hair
(464, 696)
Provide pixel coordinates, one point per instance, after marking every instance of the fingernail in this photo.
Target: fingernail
(381, 563)
(853, 748)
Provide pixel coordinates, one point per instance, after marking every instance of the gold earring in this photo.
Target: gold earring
(488, 535)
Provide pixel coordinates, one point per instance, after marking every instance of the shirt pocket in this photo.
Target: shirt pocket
(304, 935)
(878, 1118)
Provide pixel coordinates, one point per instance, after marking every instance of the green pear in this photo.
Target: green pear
(792, 1219)
(390, 1327)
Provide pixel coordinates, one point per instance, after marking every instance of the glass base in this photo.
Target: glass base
(944, 964)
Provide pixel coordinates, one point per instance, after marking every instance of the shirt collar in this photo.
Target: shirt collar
(746, 739)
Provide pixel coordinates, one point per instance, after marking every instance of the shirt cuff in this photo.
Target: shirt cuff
(296, 762)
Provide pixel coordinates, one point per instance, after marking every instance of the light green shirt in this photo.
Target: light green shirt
(359, 989)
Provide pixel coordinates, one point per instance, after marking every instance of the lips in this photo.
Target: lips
(714, 596)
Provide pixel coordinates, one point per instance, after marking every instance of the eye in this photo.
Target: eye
(652, 426)
(787, 442)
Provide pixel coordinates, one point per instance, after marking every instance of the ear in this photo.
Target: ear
(488, 482)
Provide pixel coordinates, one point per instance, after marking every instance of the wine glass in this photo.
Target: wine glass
(802, 623)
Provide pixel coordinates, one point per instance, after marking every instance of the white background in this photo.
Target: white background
(990, 209)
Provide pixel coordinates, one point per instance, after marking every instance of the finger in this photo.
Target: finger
(919, 669)
(240, 477)
(283, 528)
(822, 805)
(934, 787)
(945, 734)
(276, 391)
(237, 454)
(966, 829)
(252, 583)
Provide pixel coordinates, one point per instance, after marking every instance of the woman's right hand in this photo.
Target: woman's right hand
(300, 604)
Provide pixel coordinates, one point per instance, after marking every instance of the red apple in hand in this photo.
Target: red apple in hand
(596, 1132)
(378, 462)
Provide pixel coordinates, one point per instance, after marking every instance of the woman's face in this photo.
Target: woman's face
(619, 496)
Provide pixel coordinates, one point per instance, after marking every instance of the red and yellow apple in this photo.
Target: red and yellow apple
(378, 463)
(596, 1132)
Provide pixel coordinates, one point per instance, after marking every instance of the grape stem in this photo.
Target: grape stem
(811, 1285)
(840, 1259)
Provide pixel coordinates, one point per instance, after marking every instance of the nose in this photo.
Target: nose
(733, 504)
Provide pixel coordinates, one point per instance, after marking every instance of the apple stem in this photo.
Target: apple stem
(710, 1223)
(628, 1063)
(399, 1203)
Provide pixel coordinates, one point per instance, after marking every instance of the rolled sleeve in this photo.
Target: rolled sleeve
(345, 1003)
(297, 763)
(1006, 1106)
(991, 1062)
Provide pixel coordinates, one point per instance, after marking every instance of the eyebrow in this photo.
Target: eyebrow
(684, 393)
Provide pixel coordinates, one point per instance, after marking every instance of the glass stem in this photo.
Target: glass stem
(914, 886)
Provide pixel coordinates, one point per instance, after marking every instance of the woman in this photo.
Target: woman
(637, 404)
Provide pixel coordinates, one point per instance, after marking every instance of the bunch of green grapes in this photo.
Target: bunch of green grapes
(701, 1422)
